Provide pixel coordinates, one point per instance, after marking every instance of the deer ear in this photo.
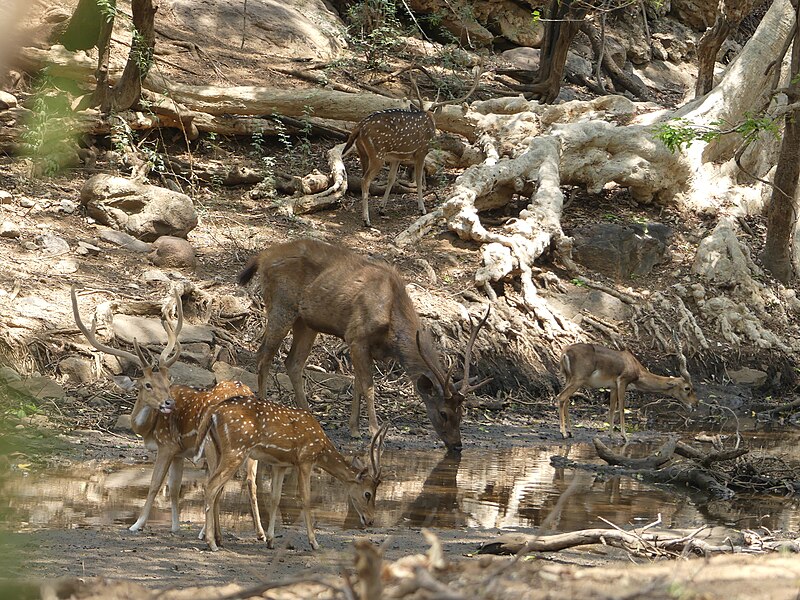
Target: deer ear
(358, 464)
(362, 475)
(426, 386)
(125, 383)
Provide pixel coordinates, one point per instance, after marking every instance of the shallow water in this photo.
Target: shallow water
(503, 488)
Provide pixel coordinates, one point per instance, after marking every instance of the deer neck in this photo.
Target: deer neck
(143, 418)
(650, 382)
(331, 461)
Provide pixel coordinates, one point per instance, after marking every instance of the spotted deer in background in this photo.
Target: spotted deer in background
(394, 135)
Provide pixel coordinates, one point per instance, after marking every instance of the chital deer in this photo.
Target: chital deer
(246, 427)
(394, 135)
(312, 287)
(594, 366)
(168, 416)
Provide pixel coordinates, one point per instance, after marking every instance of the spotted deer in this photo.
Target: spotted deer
(311, 287)
(245, 427)
(392, 136)
(168, 416)
(595, 367)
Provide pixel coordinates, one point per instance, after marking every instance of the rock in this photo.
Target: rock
(144, 211)
(123, 423)
(748, 376)
(197, 353)
(7, 100)
(170, 251)
(8, 374)
(52, 244)
(77, 369)
(9, 230)
(38, 387)
(27, 202)
(65, 266)
(230, 307)
(621, 251)
(227, 372)
(526, 59)
(332, 381)
(155, 276)
(150, 332)
(67, 206)
(87, 248)
(124, 240)
(6, 197)
(184, 374)
(698, 14)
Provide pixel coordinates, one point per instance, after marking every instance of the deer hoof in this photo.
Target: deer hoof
(355, 435)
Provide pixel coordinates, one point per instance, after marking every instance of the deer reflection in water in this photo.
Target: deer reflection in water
(438, 504)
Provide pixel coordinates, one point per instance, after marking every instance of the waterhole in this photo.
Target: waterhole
(502, 488)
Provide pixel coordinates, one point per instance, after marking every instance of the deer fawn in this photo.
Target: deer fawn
(168, 416)
(243, 427)
(394, 135)
(594, 366)
(312, 287)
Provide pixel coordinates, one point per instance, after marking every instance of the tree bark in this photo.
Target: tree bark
(129, 88)
(731, 13)
(782, 209)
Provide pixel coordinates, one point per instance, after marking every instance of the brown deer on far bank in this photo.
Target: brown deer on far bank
(596, 367)
(167, 416)
(245, 427)
(312, 287)
(394, 135)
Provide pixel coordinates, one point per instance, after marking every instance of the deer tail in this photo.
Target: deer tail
(204, 433)
(250, 269)
(566, 366)
(352, 139)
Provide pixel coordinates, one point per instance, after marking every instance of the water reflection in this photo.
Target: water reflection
(503, 488)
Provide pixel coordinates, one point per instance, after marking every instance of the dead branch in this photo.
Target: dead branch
(661, 456)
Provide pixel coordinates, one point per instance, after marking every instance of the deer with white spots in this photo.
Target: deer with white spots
(311, 287)
(596, 367)
(393, 136)
(168, 416)
(245, 427)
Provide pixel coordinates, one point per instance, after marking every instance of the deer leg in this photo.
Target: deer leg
(371, 168)
(563, 408)
(302, 340)
(278, 326)
(276, 488)
(174, 483)
(419, 176)
(393, 166)
(163, 461)
(251, 468)
(363, 387)
(304, 481)
(216, 482)
(620, 393)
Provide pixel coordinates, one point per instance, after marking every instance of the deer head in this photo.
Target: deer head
(154, 383)
(361, 492)
(444, 398)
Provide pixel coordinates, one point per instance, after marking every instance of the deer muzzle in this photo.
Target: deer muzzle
(167, 406)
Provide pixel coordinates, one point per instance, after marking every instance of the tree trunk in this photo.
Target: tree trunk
(563, 22)
(782, 209)
(102, 91)
(84, 26)
(129, 87)
(731, 13)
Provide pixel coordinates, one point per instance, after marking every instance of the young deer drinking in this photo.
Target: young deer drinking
(246, 427)
(393, 136)
(596, 367)
(312, 287)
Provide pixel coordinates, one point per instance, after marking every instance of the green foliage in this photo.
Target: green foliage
(142, 54)
(679, 132)
(375, 29)
(108, 8)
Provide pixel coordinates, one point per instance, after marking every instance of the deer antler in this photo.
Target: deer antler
(465, 385)
(684, 370)
(90, 335)
(375, 450)
(172, 335)
(478, 72)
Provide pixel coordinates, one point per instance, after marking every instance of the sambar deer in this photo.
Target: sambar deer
(596, 367)
(395, 135)
(168, 416)
(312, 287)
(246, 427)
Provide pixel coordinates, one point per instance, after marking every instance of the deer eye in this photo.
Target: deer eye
(443, 415)
(368, 495)
(147, 385)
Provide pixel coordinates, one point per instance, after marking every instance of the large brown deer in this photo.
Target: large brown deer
(395, 135)
(245, 427)
(596, 367)
(312, 287)
(168, 416)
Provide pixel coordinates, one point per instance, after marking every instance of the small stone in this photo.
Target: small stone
(87, 248)
(67, 206)
(27, 202)
(52, 244)
(9, 230)
(171, 251)
(124, 240)
(9, 374)
(7, 100)
(123, 423)
(5, 197)
(155, 276)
